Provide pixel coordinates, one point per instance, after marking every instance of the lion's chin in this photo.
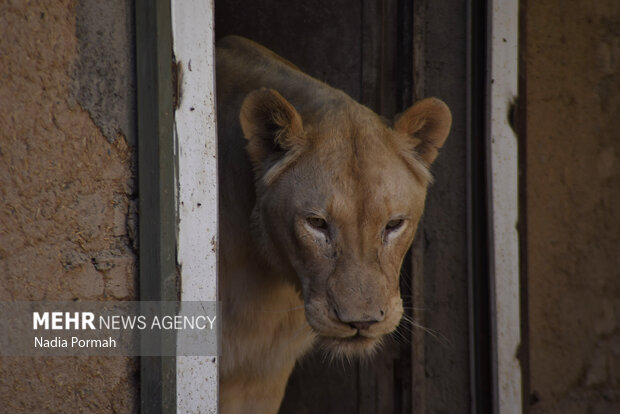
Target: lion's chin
(356, 346)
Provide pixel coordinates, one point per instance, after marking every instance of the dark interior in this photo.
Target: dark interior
(386, 54)
(346, 45)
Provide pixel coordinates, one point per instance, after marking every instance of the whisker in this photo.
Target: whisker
(438, 336)
(399, 337)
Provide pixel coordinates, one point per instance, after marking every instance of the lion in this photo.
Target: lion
(319, 202)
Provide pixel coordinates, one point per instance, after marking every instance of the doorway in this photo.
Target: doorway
(387, 54)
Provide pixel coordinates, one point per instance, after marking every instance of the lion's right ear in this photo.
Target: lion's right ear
(428, 124)
(272, 127)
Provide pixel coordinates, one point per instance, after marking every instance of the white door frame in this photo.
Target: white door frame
(504, 202)
(196, 144)
(195, 125)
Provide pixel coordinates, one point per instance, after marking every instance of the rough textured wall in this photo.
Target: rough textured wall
(573, 202)
(66, 192)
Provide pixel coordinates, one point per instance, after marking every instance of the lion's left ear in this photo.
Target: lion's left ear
(428, 124)
(272, 127)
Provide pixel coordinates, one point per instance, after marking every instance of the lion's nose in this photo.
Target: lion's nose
(359, 319)
(361, 325)
(363, 322)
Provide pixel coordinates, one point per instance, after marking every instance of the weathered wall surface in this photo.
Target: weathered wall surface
(66, 192)
(573, 201)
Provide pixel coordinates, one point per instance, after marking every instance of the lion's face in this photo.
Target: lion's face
(340, 200)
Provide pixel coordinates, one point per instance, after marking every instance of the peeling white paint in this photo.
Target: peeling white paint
(195, 121)
(503, 144)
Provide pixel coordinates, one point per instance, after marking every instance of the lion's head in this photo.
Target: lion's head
(339, 197)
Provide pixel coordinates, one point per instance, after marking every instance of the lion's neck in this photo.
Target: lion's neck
(264, 326)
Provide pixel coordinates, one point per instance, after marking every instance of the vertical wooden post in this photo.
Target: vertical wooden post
(504, 189)
(157, 226)
(195, 127)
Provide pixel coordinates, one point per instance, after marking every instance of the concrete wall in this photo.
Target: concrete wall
(67, 187)
(572, 54)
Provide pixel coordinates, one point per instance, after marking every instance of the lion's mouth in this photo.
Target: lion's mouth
(356, 337)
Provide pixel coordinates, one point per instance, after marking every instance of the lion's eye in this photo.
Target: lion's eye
(394, 224)
(317, 222)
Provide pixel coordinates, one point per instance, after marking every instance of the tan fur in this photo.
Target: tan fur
(310, 183)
